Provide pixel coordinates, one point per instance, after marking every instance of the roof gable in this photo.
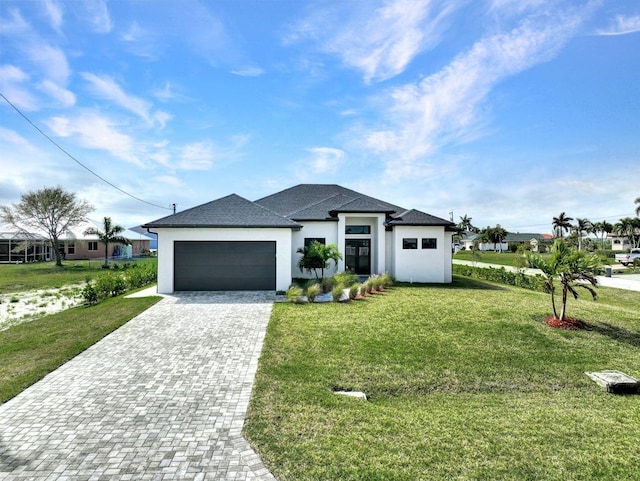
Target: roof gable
(229, 211)
(419, 218)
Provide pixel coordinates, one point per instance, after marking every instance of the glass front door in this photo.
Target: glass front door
(358, 256)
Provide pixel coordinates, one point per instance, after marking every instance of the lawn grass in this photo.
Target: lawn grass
(45, 275)
(506, 258)
(464, 381)
(31, 350)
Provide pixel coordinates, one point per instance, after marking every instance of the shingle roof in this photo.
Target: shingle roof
(317, 201)
(229, 211)
(416, 217)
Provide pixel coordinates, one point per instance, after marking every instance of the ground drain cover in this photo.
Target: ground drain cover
(616, 382)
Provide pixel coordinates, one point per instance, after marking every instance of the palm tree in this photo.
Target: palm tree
(582, 225)
(465, 223)
(637, 201)
(627, 228)
(604, 228)
(497, 235)
(317, 256)
(571, 268)
(561, 223)
(110, 235)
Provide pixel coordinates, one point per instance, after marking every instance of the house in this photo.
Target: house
(19, 245)
(235, 244)
(469, 239)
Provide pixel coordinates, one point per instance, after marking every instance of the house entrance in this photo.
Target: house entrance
(358, 256)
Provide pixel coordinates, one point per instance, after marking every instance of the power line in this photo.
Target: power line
(78, 162)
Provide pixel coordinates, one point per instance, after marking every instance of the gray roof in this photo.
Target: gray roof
(229, 211)
(417, 217)
(323, 201)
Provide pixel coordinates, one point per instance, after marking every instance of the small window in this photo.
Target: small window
(410, 243)
(357, 229)
(93, 245)
(430, 243)
(309, 240)
(71, 248)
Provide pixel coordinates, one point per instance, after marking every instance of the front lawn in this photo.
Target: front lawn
(30, 351)
(464, 382)
(45, 275)
(506, 258)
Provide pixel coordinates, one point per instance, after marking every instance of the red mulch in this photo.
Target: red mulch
(567, 323)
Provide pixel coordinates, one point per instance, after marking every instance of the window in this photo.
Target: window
(309, 240)
(430, 243)
(93, 245)
(410, 243)
(357, 229)
(71, 248)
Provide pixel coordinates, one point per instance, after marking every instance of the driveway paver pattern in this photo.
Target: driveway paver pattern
(162, 398)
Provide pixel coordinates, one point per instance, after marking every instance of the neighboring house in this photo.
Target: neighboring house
(73, 244)
(468, 240)
(76, 245)
(235, 244)
(153, 238)
(619, 243)
(17, 246)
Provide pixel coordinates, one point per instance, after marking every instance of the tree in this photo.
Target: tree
(317, 256)
(561, 223)
(582, 226)
(465, 223)
(604, 228)
(628, 227)
(637, 201)
(109, 235)
(51, 211)
(571, 268)
(497, 235)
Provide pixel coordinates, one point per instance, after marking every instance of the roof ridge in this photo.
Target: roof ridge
(308, 206)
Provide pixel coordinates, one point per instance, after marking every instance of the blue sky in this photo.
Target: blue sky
(507, 111)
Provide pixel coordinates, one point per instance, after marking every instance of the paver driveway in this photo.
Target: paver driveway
(162, 398)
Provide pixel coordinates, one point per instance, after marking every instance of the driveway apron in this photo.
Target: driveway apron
(162, 398)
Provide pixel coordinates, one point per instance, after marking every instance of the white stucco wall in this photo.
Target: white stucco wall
(166, 238)
(422, 265)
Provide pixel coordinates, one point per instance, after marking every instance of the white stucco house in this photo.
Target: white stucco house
(235, 244)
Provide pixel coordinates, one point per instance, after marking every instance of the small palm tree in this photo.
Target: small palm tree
(561, 223)
(110, 235)
(582, 226)
(317, 256)
(572, 268)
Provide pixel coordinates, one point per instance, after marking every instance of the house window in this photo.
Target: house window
(71, 248)
(357, 229)
(430, 243)
(309, 240)
(410, 243)
(93, 245)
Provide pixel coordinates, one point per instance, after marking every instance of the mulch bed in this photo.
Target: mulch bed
(567, 323)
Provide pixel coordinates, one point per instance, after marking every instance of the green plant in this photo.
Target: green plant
(317, 256)
(337, 292)
(328, 284)
(14, 299)
(89, 294)
(572, 268)
(346, 278)
(354, 290)
(294, 294)
(313, 291)
(109, 234)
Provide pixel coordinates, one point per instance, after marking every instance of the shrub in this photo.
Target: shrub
(119, 286)
(501, 275)
(294, 294)
(387, 279)
(89, 294)
(354, 290)
(313, 291)
(346, 278)
(336, 292)
(328, 284)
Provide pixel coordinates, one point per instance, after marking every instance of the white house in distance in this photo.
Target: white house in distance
(235, 244)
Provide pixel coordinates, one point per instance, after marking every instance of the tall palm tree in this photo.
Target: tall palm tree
(604, 228)
(110, 235)
(497, 235)
(465, 223)
(582, 226)
(561, 223)
(627, 228)
(637, 201)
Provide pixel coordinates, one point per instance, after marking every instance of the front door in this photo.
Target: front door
(358, 256)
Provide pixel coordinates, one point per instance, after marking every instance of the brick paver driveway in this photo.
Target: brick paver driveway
(162, 398)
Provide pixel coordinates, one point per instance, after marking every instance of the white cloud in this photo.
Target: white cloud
(63, 96)
(51, 60)
(96, 132)
(107, 88)
(197, 156)
(379, 43)
(165, 93)
(248, 72)
(11, 85)
(447, 107)
(326, 159)
(16, 140)
(96, 13)
(622, 25)
(54, 10)
(171, 180)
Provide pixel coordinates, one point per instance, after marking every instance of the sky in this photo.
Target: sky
(507, 111)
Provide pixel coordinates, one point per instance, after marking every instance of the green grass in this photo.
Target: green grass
(30, 351)
(464, 382)
(45, 275)
(503, 258)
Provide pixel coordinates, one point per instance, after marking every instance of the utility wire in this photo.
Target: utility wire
(77, 161)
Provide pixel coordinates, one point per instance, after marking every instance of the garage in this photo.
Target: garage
(224, 265)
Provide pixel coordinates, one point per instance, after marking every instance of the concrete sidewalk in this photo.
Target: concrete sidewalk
(162, 398)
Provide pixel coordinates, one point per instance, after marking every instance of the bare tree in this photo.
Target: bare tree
(51, 211)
